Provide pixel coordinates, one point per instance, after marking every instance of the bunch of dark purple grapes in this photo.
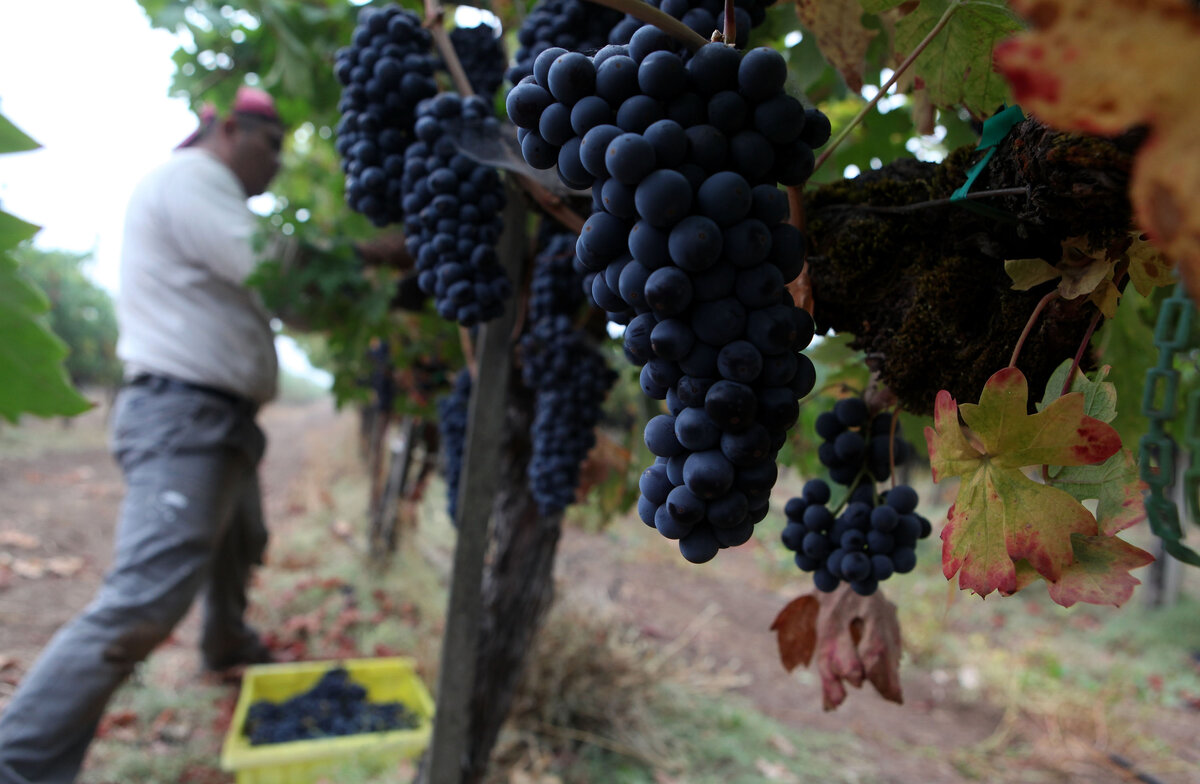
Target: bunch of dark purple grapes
(856, 444)
(570, 24)
(452, 427)
(873, 538)
(688, 243)
(452, 211)
(481, 52)
(568, 374)
(385, 72)
(875, 535)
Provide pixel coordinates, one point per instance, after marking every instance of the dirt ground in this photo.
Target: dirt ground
(65, 502)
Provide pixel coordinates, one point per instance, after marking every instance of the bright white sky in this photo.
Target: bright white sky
(88, 80)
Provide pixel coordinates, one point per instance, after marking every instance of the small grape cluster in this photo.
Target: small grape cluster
(555, 287)
(570, 24)
(452, 427)
(335, 705)
(854, 442)
(873, 537)
(481, 52)
(687, 244)
(570, 376)
(385, 72)
(702, 16)
(567, 410)
(452, 212)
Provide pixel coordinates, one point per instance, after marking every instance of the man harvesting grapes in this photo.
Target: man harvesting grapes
(199, 360)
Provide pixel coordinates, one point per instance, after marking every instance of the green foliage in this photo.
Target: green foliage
(956, 68)
(81, 313)
(30, 355)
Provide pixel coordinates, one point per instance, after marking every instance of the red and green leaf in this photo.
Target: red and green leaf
(1005, 529)
(1100, 572)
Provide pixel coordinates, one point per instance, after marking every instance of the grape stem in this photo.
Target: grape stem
(900, 69)
(1033, 317)
(850, 488)
(552, 204)
(435, 22)
(468, 350)
(730, 23)
(651, 15)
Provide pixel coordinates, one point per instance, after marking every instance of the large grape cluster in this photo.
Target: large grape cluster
(576, 25)
(481, 52)
(385, 72)
(452, 212)
(452, 428)
(873, 537)
(570, 376)
(335, 705)
(688, 242)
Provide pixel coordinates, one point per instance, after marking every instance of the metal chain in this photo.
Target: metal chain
(1157, 449)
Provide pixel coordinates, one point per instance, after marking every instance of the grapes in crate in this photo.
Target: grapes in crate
(336, 705)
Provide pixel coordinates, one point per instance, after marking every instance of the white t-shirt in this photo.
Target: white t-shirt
(182, 310)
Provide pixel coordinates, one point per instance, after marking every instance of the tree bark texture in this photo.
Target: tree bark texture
(518, 586)
(923, 289)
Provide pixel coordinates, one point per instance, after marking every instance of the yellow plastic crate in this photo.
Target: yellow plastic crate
(306, 761)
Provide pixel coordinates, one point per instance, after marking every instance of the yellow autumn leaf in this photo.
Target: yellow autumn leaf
(1106, 296)
(1147, 267)
(840, 34)
(1104, 66)
(1027, 273)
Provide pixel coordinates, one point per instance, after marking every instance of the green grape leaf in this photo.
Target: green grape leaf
(1115, 483)
(30, 355)
(14, 231)
(13, 139)
(956, 67)
(1116, 486)
(1000, 515)
(1099, 396)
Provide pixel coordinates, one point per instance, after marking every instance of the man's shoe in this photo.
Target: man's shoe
(254, 651)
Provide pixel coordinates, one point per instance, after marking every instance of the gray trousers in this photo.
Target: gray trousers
(191, 521)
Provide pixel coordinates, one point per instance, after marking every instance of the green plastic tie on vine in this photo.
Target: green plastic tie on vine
(995, 129)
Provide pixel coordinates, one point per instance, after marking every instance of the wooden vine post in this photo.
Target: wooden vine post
(476, 494)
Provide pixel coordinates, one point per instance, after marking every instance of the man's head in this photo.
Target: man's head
(248, 140)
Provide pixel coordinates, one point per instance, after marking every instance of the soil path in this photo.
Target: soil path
(66, 503)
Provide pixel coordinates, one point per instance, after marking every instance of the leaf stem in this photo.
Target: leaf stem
(1087, 338)
(1033, 317)
(900, 69)
(663, 21)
